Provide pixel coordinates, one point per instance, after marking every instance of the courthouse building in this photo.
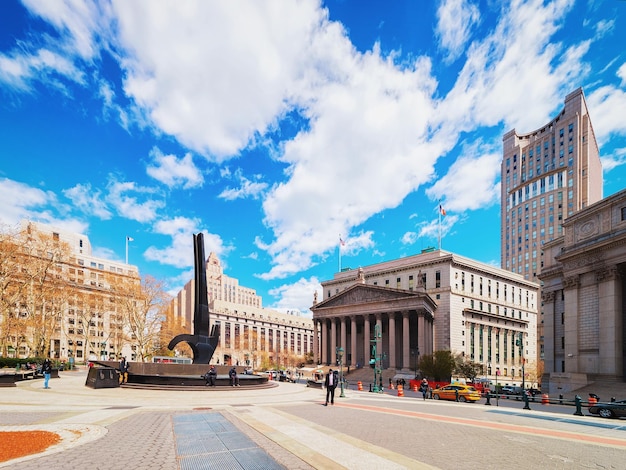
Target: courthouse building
(584, 302)
(432, 301)
(249, 332)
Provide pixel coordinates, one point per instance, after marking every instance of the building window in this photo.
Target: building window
(623, 213)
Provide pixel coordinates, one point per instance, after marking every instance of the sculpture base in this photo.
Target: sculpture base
(181, 376)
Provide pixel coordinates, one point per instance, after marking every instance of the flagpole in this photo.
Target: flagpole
(339, 253)
(439, 211)
(126, 249)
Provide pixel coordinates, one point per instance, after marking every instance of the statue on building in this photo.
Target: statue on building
(360, 277)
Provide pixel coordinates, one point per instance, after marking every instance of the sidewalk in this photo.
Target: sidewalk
(139, 429)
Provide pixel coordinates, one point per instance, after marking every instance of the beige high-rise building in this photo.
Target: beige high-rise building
(69, 310)
(547, 175)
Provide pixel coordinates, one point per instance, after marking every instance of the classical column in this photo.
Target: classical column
(367, 337)
(406, 342)
(324, 327)
(392, 341)
(353, 353)
(610, 327)
(343, 333)
(421, 334)
(316, 353)
(333, 341)
(571, 327)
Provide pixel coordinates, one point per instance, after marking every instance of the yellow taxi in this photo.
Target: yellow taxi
(452, 391)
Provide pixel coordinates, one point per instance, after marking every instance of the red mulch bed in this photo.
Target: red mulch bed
(14, 444)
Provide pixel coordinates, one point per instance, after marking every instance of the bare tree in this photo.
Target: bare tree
(33, 289)
(143, 305)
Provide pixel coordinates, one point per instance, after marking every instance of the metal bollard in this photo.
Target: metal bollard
(488, 402)
(578, 403)
(526, 405)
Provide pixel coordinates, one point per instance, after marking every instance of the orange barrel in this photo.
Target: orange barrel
(400, 391)
(414, 388)
(592, 400)
(359, 385)
(545, 399)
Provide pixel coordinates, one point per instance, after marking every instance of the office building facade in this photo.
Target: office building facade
(547, 175)
(72, 303)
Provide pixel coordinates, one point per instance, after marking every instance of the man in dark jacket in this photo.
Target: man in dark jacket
(331, 384)
(210, 376)
(234, 379)
(46, 370)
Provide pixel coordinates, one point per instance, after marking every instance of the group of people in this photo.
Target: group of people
(211, 376)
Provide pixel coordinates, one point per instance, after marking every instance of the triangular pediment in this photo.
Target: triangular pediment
(364, 293)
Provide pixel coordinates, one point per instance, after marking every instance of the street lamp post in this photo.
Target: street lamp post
(340, 357)
(416, 358)
(520, 342)
(497, 394)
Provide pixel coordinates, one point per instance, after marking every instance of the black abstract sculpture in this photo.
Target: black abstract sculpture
(202, 344)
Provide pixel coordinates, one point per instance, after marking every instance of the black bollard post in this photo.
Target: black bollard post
(488, 402)
(578, 403)
(526, 405)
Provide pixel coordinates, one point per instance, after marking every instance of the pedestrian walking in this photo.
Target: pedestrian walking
(46, 370)
(331, 384)
(424, 388)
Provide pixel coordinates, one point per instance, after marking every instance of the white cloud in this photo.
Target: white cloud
(511, 68)
(455, 18)
(23, 202)
(433, 230)
(618, 158)
(130, 206)
(604, 27)
(20, 71)
(247, 188)
(621, 73)
(74, 20)
(298, 295)
(180, 251)
(409, 238)
(215, 98)
(471, 181)
(606, 108)
(88, 200)
(174, 172)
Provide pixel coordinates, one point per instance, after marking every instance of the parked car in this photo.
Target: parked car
(614, 409)
(449, 392)
(511, 390)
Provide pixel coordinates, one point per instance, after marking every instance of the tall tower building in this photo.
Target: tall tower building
(547, 175)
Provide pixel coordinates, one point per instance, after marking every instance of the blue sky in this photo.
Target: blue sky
(275, 127)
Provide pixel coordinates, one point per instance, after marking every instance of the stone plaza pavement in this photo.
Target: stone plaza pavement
(287, 427)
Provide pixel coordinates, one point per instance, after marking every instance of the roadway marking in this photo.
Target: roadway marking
(521, 429)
